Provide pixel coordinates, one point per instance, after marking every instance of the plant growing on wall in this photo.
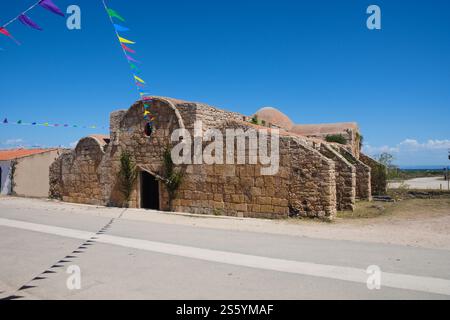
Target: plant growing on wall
(255, 120)
(12, 174)
(127, 176)
(360, 140)
(173, 177)
(337, 138)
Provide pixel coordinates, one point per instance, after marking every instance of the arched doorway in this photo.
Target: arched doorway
(149, 191)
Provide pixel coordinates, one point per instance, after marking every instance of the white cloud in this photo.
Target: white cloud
(410, 145)
(12, 142)
(412, 151)
(376, 150)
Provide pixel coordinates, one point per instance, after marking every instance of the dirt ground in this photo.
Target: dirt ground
(413, 222)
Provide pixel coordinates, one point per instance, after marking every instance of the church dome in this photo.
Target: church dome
(274, 116)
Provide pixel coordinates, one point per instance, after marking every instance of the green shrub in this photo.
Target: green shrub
(255, 120)
(127, 176)
(172, 177)
(336, 138)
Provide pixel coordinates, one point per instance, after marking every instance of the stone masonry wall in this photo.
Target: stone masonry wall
(56, 190)
(128, 129)
(363, 175)
(304, 185)
(345, 178)
(313, 181)
(378, 175)
(74, 176)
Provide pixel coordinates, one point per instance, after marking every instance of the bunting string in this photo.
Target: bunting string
(51, 125)
(117, 22)
(27, 21)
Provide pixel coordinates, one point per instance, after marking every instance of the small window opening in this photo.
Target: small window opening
(148, 130)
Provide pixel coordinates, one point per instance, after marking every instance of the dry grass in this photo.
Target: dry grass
(408, 208)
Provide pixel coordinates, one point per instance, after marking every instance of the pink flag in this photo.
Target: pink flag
(127, 49)
(6, 33)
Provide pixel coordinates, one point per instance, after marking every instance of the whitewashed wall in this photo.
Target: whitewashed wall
(5, 183)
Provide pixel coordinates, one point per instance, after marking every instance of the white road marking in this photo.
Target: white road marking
(392, 280)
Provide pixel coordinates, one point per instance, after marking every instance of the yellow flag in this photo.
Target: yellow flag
(139, 79)
(146, 113)
(123, 40)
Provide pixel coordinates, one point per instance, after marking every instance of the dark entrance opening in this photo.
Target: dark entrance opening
(149, 191)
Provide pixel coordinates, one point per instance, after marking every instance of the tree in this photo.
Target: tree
(387, 160)
(127, 176)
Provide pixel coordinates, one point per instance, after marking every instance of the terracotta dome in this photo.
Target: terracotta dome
(276, 117)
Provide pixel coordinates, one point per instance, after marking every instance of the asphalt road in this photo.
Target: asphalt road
(121, 258)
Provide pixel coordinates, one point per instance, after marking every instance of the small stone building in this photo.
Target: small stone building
(315, 178)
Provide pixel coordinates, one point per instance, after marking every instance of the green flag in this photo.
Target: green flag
(114, 14)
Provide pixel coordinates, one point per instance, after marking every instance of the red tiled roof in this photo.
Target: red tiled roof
(6, 155)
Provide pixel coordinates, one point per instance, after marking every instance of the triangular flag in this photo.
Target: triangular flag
(34, 123)
(6, 33)
(127, 49)
(114, 14)
(146, 113)
(131, 58)
(123, 40)
(140, 85)
(50, 6)
(5, 121)
(46, 124)
(28, 22)
(135, 68)
(19, 122)
(139, 79)
(120, 28)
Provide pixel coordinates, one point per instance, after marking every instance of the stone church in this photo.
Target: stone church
(316, 178)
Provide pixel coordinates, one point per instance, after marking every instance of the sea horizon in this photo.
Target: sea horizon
(424, 167)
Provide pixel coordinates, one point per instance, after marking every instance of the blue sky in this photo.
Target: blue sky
(314, 60)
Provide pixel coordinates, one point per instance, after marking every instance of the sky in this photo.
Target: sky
(316, 61)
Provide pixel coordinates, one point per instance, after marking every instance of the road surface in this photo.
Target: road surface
(121, 257)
